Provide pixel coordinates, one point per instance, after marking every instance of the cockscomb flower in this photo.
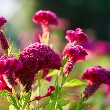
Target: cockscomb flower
(36, 57)
(4, 42)
(8, 65)
(45, 18)
(70, 36)
(75, 53)
(96, 76)
(50, 90)
(3, 85)
(2, 21)
(76, 36)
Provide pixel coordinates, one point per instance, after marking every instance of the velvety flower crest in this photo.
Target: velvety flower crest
(70, 36)
(45, 18)
(96, 76)
(36, 57)
(3, 85)
(2, 21)
(75, 53)
(4, 42)
(76, 36)
(8, 65)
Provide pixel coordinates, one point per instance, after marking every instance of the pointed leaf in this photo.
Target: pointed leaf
(74, 82)
(62, 102)
(11, 107)
(11, 99)
(52, 73)
(24, 100)
(50, 106)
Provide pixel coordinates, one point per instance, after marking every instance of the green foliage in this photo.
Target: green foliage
(24, 99)
(53, 72)
(50, 106)
(62, 102)
(10, 98)
(74, 82)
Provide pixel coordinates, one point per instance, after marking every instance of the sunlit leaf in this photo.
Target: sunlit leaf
(74, 82)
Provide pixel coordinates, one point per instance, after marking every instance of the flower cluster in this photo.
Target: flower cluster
(76, 36)
(96, 76)
(8, 67)
(35, 61)
(36, 57)
(45, 18)
(74, 52)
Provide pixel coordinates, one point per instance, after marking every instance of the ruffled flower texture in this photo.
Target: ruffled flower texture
(3, 85)
(4, 42)
(75, 53)
(45, 18)
(76, 36)
(96, 76)
(2, 21)
(8, 66)
(36, 57)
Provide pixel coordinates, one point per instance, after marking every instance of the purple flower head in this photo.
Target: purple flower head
(81, 36)
(78, 35)
(2, 21)
(96, 76)
(4, 42)
(7, 68)
(36, 57)
(45, 18)
(75, 53)
(70, 36)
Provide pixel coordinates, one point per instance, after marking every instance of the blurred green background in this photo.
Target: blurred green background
(93, 16)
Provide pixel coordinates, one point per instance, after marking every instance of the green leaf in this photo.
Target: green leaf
(24, 99)
(3, 92)
(46, 40)
(11, 107)
(74, 82)
(50, 106)
(11, 99)
(17, 54)
(62, 102)
(52, 73)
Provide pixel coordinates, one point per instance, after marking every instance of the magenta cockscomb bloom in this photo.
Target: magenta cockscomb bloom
(36, 57)
(70, 36)
(2, 21)
(3, 85)
(50, 90)
(76, 36)
(8, 65)
(75, 53)
(45, 18)
(96, 76)
(4, 42)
